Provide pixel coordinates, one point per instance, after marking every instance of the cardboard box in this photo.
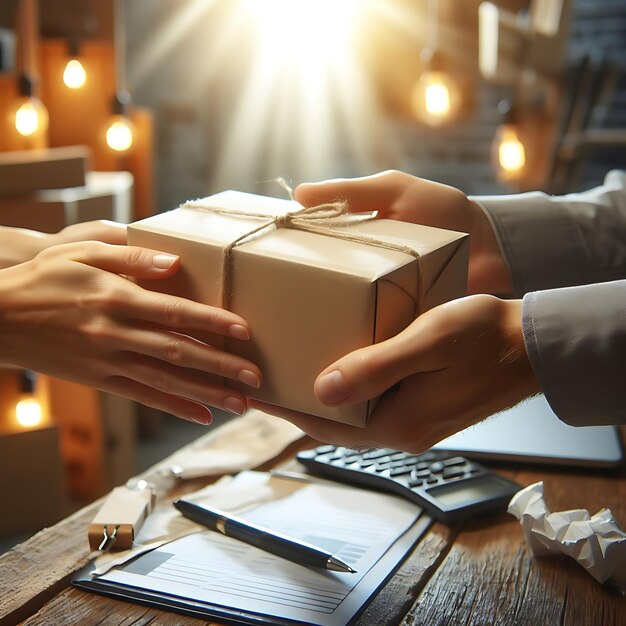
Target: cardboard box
(26, 171)
(31, 479)
(309, 298)
(105, 195)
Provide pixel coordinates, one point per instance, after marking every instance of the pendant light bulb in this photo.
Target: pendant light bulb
(31, 117)
(119, 134)
(435, 97)
(74, 75)
(508, 151)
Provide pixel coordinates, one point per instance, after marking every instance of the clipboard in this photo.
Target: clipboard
(280, 592)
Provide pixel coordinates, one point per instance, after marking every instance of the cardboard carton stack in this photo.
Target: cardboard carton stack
(48, 189)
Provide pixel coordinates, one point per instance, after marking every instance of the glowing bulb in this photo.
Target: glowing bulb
(28, 413)
(74, 75)
(510, 155)
(31, 117)
(435, 98)
(119, 135)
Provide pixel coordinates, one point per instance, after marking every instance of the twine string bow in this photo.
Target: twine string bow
(325, 219)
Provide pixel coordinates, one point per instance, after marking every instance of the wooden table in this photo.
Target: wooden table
(481, 574)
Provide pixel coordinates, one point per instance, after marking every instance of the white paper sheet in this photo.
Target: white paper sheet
(356, 525)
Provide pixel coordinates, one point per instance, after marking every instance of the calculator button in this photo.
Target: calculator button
(377, 454)
(398, 456)
(400, 471)
(367, 462)
(415, 482)
(436, 468)
(432, 480)
(453, 472)
(351, 459)
(421, 473)
(454, 461)
(324, 449)
(421, 466)
(381, 467)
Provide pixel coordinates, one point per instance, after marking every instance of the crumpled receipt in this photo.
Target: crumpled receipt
(596, 541)
(241, 443)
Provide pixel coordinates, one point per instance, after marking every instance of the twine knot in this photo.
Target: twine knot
(323, 219)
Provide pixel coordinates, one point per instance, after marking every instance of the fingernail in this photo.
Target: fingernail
(249, 378)
(235, 405)
(332, 388)
(203, 417)
(238, 331)
(164, 261)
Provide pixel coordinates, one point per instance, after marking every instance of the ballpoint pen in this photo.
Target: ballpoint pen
(260, 537)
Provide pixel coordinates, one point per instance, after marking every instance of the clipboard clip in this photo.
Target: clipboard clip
(109, 539)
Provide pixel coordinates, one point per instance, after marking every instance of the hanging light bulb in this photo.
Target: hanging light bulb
(30, 116)
(508, 152)
(120, 131)
(435, 98)
(28, 413)
(74, 74)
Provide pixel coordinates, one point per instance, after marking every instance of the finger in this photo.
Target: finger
(180, 314)
(180, 407)
(128, 260)
(182, 382)
(376, 192)
(185, 351)
(370, 371)
(169, 311)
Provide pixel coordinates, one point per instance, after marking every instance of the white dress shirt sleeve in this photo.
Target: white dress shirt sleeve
(567, 257)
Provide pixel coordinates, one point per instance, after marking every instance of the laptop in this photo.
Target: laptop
(531, 433)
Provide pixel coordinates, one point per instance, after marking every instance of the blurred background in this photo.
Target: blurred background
(160, 101)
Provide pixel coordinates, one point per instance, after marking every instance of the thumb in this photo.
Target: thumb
(377, 192)
(368, 372)
(129, 260)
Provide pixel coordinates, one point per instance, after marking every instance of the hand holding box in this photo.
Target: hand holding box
(310, 297)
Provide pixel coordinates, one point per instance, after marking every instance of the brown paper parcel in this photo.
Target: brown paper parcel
(309, 298)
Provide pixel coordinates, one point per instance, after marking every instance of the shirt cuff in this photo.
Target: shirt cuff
(576, 341)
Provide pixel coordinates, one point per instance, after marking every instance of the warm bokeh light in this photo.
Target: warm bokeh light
(119, 134)
(511, 155)
(303, 30)
(31, 117)
(28, 413)
(74, 75)
(435, 98)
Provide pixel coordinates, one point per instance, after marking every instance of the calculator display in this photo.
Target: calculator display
(469, 491)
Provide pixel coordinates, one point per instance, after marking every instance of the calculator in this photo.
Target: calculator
(451, 488)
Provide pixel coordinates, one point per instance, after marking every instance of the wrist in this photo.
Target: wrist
(18, 245)
(516, 354)
(490, 272)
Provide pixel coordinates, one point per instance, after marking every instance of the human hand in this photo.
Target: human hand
(95, 230)
(18, 245)
(69, 313)
(453, 366)
(400, 196)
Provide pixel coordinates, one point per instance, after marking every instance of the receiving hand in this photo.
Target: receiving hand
(70, 313)
(400, 196)
(452, 367)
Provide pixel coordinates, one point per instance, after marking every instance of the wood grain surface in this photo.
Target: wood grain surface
(481, 574)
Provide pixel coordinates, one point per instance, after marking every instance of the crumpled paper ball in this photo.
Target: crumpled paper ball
(597, 541)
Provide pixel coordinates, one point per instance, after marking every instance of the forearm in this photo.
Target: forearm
(551, 241)
(19, 244)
